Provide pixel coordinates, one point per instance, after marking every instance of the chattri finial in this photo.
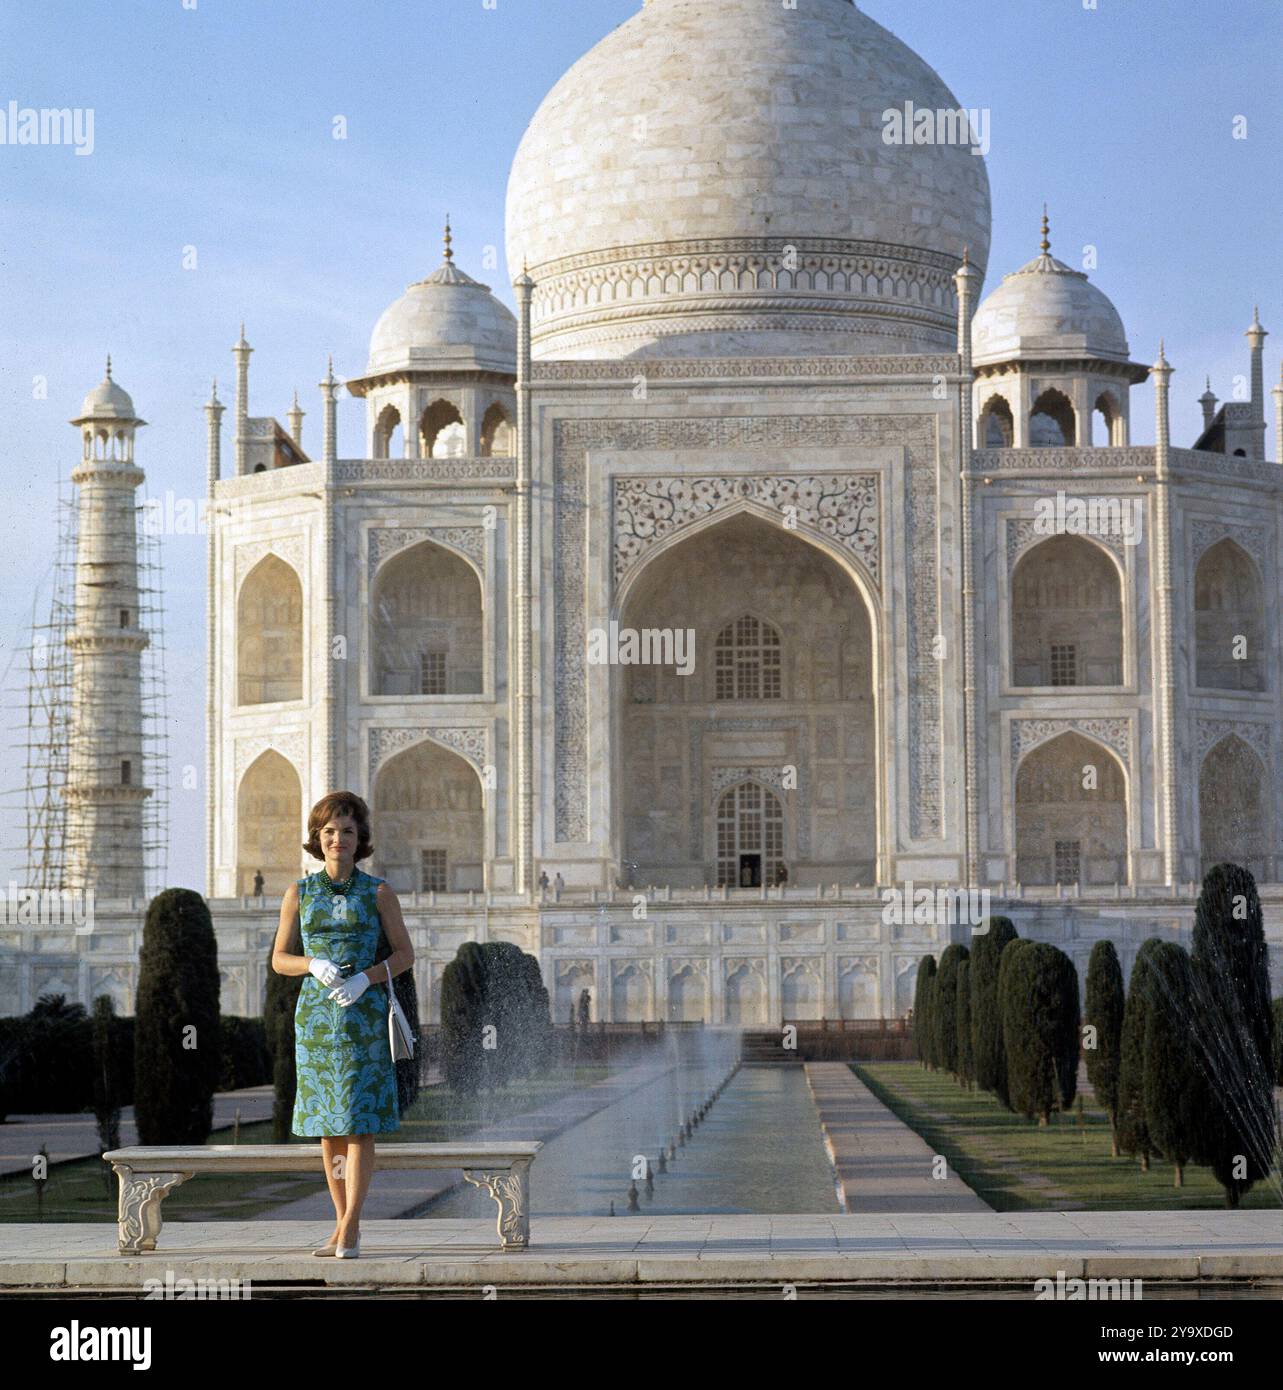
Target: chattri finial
(1046, 231)
(109, 366)
(449, 254)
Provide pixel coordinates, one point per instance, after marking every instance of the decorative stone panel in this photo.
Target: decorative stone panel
(288, 548)
(574, 439)
(842, 506)
(386, 541)
(1027, 734)
(469, 742)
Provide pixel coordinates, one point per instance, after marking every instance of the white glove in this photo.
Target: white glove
(325, 970)
(351, 989)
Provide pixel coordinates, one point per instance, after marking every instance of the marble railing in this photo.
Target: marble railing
(311, 476)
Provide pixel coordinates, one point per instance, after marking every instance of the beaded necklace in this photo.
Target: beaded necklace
(338, 891)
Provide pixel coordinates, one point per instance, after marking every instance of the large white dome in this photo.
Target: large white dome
(661, 183)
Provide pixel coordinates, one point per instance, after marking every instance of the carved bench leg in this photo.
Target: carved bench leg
(138, 1213)
(510, 1187)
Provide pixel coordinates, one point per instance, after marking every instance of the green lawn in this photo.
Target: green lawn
(1016, 1166)
(77, 1191)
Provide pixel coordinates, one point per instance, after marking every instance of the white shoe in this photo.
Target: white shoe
(348, 1252)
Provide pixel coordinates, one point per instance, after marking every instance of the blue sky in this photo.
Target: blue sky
(212, 130)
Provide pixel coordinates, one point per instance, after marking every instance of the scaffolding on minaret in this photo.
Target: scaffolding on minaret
(50, 679)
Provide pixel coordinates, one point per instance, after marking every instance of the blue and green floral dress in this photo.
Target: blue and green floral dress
(346, 1077)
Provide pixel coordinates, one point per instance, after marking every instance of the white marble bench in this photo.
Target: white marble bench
(148, 1173)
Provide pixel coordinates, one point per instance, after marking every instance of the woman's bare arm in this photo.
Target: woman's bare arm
(402, 957)
(284, 961)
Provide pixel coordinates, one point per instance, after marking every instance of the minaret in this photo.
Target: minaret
(967, 283)
(295, 416)
(214, 409)
(1278, 418)
(241, 352)
(524, 692)
(1208, 401)
(1256, 336)
(104, 789)
(1162, 375)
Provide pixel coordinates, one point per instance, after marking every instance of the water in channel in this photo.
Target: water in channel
(758, 1150)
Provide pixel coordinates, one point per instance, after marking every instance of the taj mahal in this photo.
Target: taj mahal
(765, 395)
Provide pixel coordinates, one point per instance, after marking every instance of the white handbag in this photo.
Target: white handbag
(400, 1034)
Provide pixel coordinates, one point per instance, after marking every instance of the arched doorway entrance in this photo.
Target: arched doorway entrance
(1071, 814)
(761, 765)
(428, 817)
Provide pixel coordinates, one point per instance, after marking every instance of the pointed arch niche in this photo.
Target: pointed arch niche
(1071, 814)
(269, 634)
(269, 825)
(428, 821)
(1234, 812)
(426, 625)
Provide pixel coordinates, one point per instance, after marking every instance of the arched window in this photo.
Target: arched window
(269, 824)
(386, 433)
(746, 661)
(1051, 422)
(426, 625)
(750, 837)
(1233, 808)
(441, 431)
(496, 433)
(1106, 419)
(269, 634)
(1066, 616)
(997, 425)
(1228, 620)
(1071, 814)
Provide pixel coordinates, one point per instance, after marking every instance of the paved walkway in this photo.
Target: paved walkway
(69, 1137)
(1013, 1247)
(881, 1164)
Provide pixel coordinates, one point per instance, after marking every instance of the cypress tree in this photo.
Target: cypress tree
(1133, 1133)
(1278, 1042)
(966, 1058)
(1038, 997)
(107, 1078)
(944, 1022)
(177, 1038)
(463, 993)
(986, 1030)
(493, 986)
(1104, 1014)
(278, 1028)
(1171, 1095)
(922, 1009)
(1005, 962)
(1233, 1031)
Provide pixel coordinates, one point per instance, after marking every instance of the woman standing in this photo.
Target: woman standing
(346, 1089)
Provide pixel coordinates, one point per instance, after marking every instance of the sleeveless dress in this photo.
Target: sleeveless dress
(346, 1076)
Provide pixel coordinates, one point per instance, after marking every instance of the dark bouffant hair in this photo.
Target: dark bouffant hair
(339, 804)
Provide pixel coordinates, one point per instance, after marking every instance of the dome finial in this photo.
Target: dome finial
(1046, 231)
(109, 366)
(449, 254)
